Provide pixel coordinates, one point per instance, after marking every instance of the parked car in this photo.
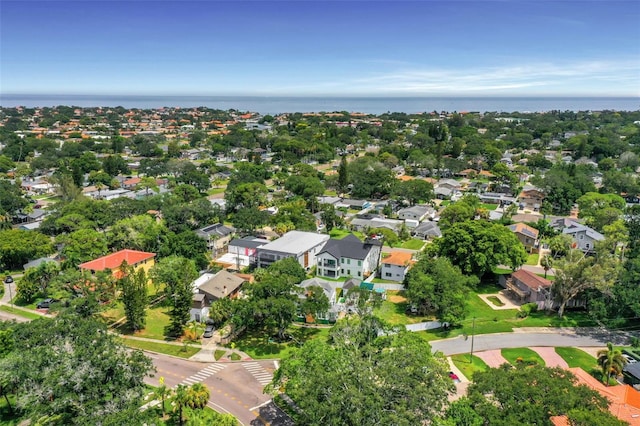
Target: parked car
(453, 376)
(629, 358)
(8, 279)
(46, 303)
(208, 331)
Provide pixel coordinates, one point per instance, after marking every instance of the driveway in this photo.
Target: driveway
(550, 357)
(493, 358)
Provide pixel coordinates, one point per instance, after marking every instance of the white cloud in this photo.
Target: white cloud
(621, 78)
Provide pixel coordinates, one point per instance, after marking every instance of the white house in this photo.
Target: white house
(418, 212)
(395, 266)
(303, 246)
(349, 257)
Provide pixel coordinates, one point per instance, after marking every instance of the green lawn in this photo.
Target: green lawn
(258, 345)
(338, 234)
(394, 312)
(489, 206)
(157, 320)
(577, 358)
(21, 312)
(488, 320)
(163, 348)
(468, 368)
(532, 259)
(495, 300)
(526, 355)
(413, 244)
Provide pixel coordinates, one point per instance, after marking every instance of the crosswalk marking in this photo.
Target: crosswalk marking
(258, 372)
(203, 374)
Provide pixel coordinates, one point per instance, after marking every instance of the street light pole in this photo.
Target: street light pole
(473, 332)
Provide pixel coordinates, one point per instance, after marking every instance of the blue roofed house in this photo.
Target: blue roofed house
(349, 257)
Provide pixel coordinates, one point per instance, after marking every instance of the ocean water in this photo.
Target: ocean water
(368, 105)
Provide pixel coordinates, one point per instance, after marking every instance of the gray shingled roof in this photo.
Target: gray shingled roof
(221, 284)
(349, 247)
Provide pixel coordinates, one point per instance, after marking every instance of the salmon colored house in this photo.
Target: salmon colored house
(112, 262)
(624, 401)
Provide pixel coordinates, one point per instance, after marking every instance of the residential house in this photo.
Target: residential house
(451, 184)
(584, 238)
(210, 287)
(427, 230)
(527, 235)
(217, 236)
(496, 198)
(531, 199)
(348, 257)
(395, 266)
(418, 212)
(303, 246)
(528, 287)
(240, 252)
(353, 204)
(366, 222)
(624, 400)
(331, 290)
(112, 262)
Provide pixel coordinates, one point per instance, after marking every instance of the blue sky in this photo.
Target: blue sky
(335, 48)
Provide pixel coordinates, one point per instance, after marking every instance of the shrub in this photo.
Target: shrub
(526, 309)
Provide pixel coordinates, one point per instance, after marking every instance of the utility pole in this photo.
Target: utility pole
(473, 332)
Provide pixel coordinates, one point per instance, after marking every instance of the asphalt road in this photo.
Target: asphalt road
(236, 387)
(560, 337)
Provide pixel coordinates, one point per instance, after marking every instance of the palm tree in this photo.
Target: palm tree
(195, 327)
(198, 396)
(611, 361)
(181, 399)
(162, 392)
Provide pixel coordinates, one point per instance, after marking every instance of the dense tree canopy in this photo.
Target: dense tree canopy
(355, 380)
(70, 371)
(529, 395)
(478, 246)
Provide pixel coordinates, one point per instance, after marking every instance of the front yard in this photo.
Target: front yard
(258, 345)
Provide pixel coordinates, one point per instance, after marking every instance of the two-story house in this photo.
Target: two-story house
(210, 287)
(527, 235)
(395, 266)
(303, 246)
(531, 198)
(349, 257)
(217, 236)
(112, 262)
(584, 238)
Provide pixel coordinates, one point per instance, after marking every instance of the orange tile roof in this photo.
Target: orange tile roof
(115, 260)
(560, 421)
(132, 181)
(398, 258)
(405, 178)
(624, 401)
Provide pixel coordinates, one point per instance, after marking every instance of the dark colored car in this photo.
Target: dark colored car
(208, 332)
(8, 279)
(46, 303)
